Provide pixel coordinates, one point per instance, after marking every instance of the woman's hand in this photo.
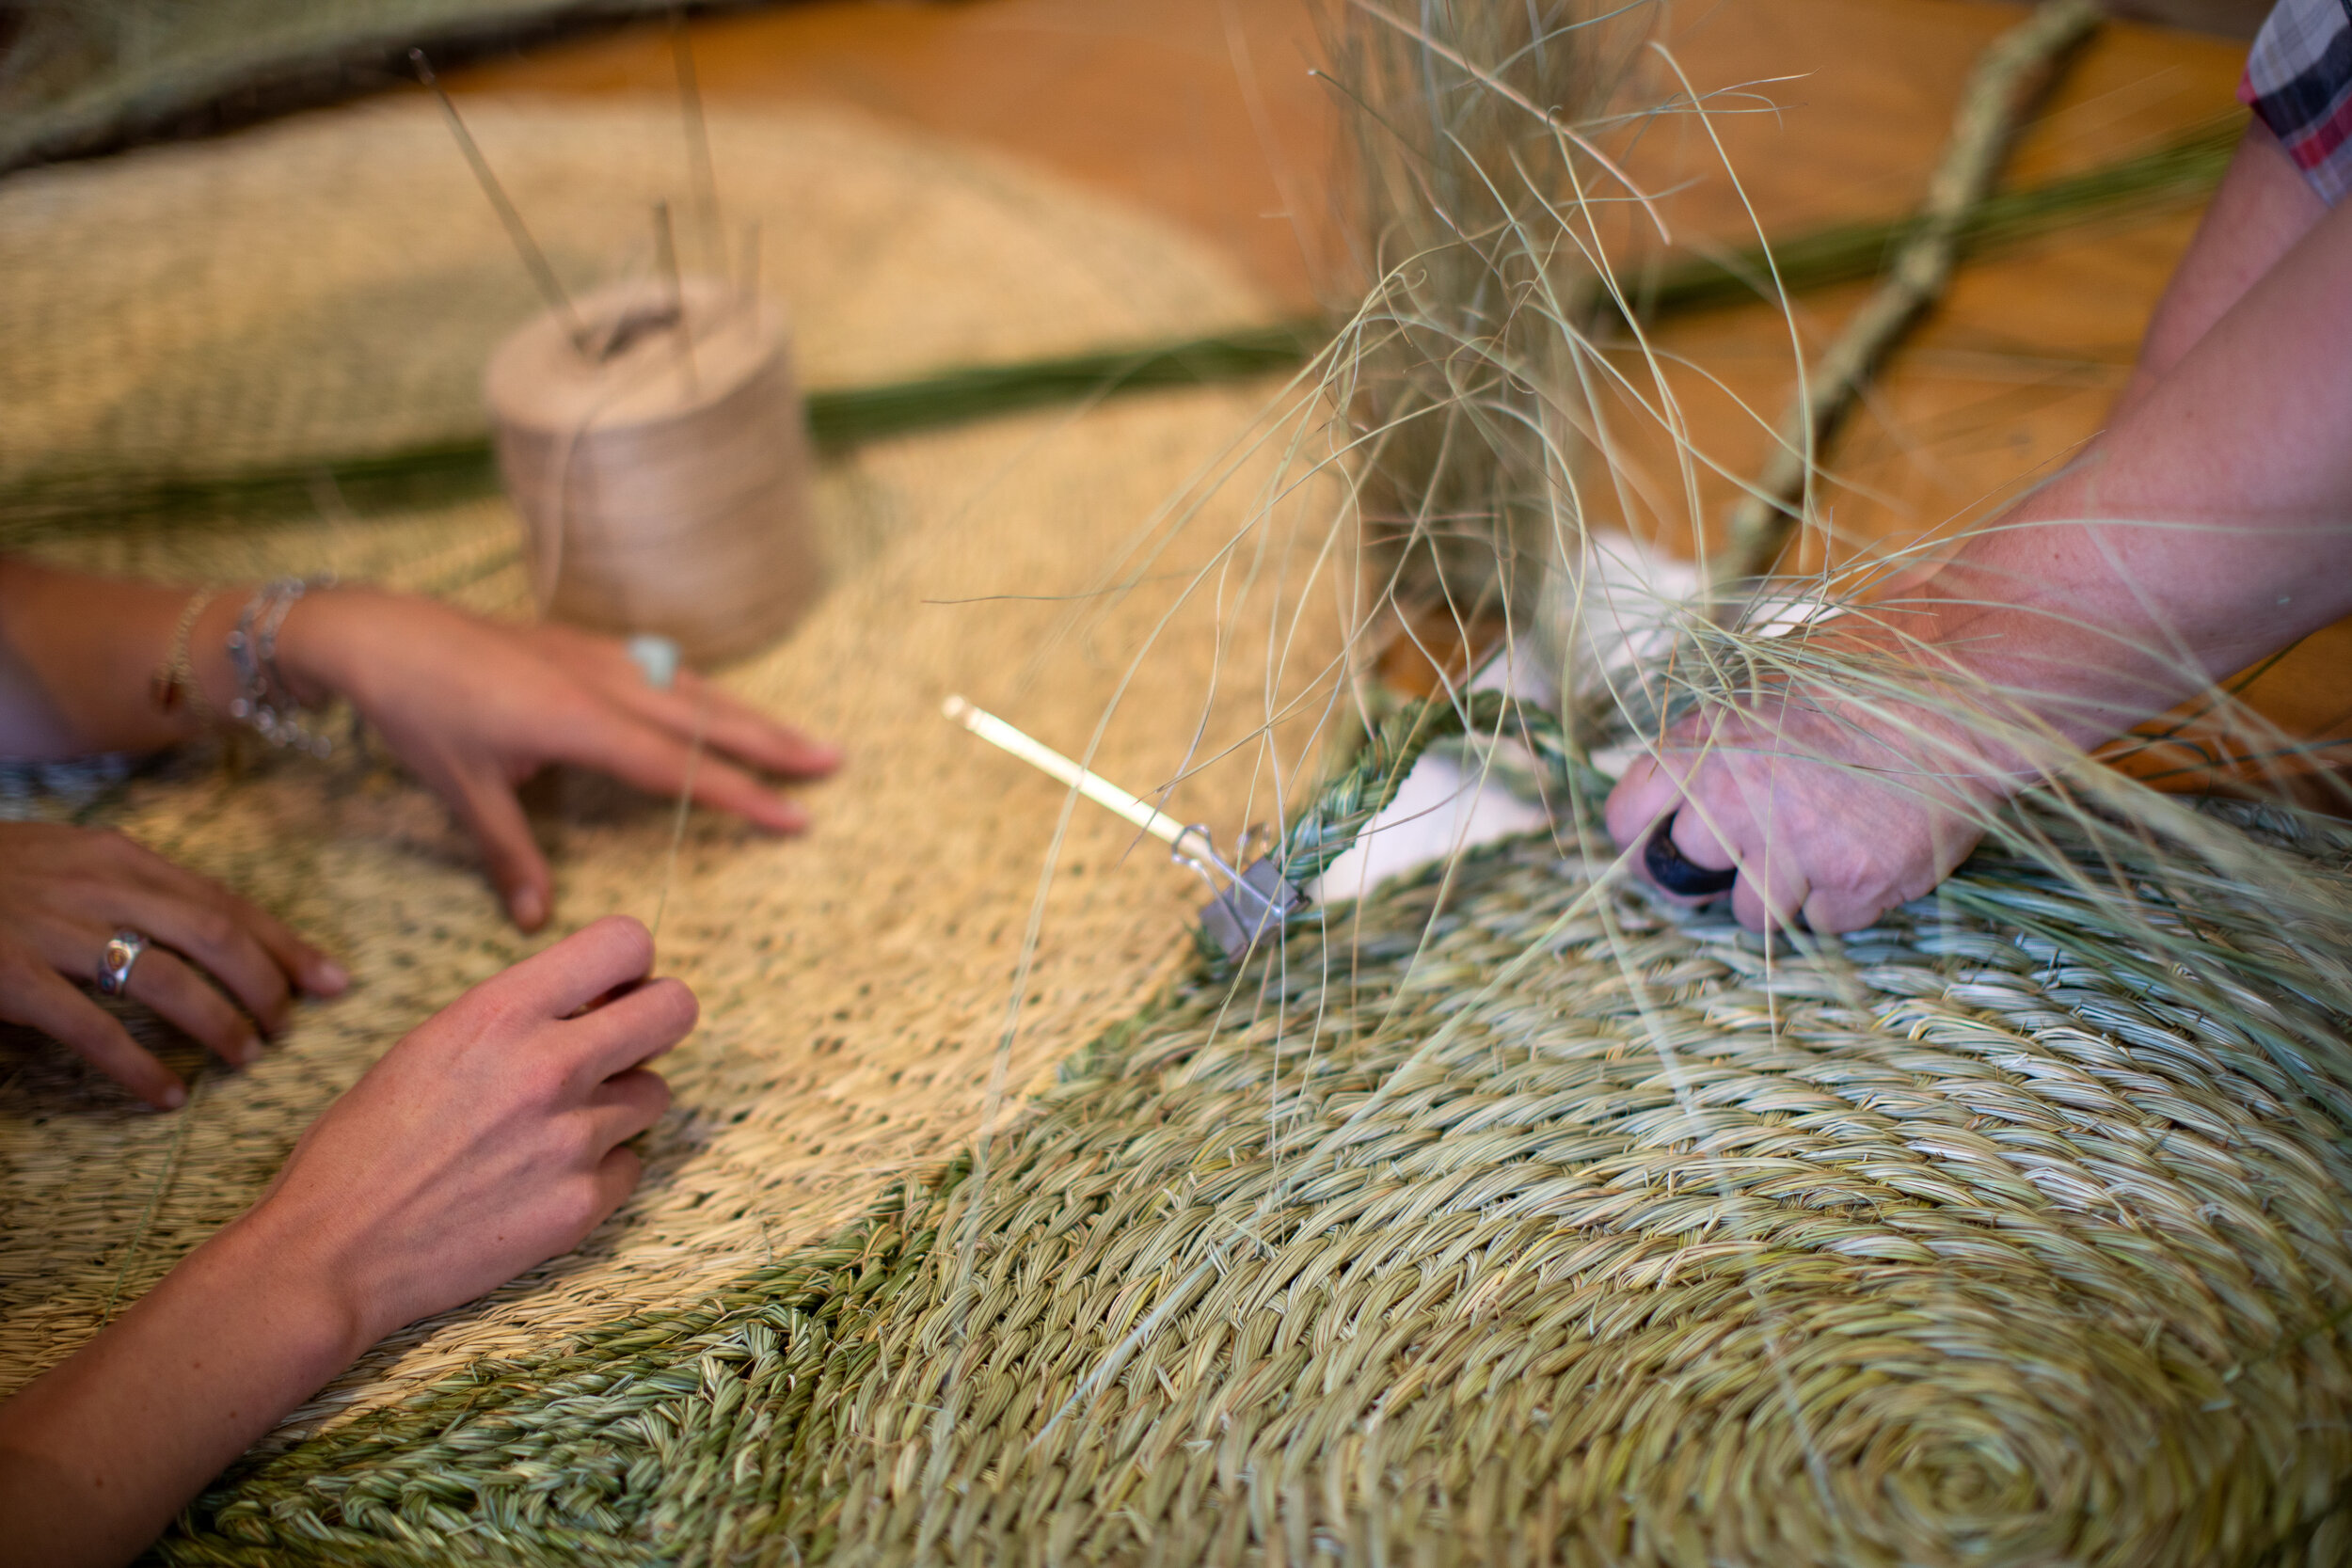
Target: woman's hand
(64, 892)
(489, 1139)
(475, 708)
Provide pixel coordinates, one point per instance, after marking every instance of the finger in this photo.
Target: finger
(733, 726)
(1682, 858)
(626, 1105)
(586, 1198)
(616, 1176)
(725, 788)
(633, 1029)
(1769, 895)
(41, 999)
(486, 802)
(288, 952)
(312, 969)
(558, 981)
(1696, 841)
(1830, 912)
(164, 983)
(211, 935)
(657, 764)
(752, 738)
(1644, 793)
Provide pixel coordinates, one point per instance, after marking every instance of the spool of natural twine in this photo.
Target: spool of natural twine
(652, 437)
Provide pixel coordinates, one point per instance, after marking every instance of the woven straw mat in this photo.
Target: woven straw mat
(1516, 1223)
(334, 284)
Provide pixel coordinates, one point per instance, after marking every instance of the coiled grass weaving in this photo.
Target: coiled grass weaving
(1508, 1220)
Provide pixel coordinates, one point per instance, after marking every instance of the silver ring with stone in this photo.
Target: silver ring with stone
(114, 964)
(657, 660)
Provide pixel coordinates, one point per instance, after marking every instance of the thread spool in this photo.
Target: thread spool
(660, 464)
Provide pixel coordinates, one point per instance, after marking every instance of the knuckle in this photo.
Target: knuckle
(628, 935)
(490, 1011)
(573, 1208)
(678, 1000)
(581, 1204)
(657, 1092)
(547, 1080)
(627, 1167)
(213, 928)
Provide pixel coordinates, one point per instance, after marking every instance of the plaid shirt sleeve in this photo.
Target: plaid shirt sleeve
(2299, 80)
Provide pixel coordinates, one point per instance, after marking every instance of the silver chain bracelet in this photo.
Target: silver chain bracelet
(264, 700)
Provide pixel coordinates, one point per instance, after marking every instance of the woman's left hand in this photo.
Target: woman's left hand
(475, 708)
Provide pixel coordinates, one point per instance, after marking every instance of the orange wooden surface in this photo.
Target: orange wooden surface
(1201, 109)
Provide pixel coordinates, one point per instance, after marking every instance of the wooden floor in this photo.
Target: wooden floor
(1207, 112)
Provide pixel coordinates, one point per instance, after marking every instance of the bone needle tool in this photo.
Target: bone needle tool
(1253, 904)
(1047, 760)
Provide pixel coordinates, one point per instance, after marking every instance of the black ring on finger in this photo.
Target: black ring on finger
(1676, 873)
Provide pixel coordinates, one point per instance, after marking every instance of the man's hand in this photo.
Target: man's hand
(1831, 817)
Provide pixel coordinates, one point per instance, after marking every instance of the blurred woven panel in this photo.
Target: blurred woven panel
(1513, 1223)
(93, 75)
(856, 983)
(329, 287)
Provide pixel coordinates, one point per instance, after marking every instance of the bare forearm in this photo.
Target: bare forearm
(78, 655)
(2263, 207)
(2210, 527)
(489, 1138)
(99, 1453)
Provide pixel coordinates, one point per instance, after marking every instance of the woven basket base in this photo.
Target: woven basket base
(1514, 1224)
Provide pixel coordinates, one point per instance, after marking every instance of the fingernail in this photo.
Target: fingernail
(175, 1096)
(528, 907)
(327, 977)
(249, 1051)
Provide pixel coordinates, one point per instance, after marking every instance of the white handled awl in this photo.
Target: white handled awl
(1252, 903)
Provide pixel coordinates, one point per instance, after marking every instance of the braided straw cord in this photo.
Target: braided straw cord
(1941, 1246)
(1344, 806)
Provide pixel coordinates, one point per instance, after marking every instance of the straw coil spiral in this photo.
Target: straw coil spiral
(1950, 1244)
(659, 461)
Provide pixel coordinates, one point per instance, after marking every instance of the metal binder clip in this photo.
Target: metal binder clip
(1253, 903)
(1254, 907)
